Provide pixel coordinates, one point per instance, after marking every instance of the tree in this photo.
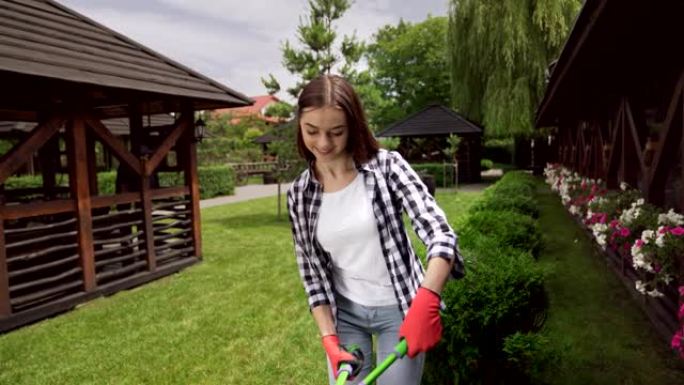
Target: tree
(409, 65)
(281, 110)
(318, 54)
(499, 52)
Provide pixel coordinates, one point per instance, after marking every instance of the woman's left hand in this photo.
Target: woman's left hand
(422, 327)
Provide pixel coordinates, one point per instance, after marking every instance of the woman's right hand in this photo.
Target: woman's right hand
(336, 353)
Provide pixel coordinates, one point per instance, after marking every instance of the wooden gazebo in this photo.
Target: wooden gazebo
(437, 122)
(62, 244)
(614, 99)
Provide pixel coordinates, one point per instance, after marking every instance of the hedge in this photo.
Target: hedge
(214, 181)
(437, 171)
(493, 313)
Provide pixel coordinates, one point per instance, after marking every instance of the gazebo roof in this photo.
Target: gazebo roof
(47, 45)
(432, 120)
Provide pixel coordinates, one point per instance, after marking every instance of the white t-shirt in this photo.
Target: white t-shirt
(347, 229)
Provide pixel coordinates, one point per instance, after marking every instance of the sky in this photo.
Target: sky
(236, 42)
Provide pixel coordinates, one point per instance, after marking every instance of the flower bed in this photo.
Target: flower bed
(643, 244)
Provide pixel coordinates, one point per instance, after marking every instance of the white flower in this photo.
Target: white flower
(660, 240)
(655, 293)
(623, 186)
(647, 235)
(640, 202)
(601, 240)
(640, 286)
(574, 210)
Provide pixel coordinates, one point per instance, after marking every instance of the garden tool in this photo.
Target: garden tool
(350, 369)
(399, 352)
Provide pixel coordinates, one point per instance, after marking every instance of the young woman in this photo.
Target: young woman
(360, 273)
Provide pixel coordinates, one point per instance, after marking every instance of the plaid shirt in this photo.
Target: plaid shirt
(393, 187)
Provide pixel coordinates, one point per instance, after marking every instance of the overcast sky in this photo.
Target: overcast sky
(238, 41)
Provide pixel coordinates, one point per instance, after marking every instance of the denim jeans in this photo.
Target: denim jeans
(356, 324)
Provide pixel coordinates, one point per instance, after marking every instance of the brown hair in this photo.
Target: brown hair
(334, 90)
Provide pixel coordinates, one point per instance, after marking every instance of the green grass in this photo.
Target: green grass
(240, 317)
(598, 333)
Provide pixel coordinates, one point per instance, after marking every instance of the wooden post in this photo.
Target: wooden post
(92, 163)
(80, 190)
(192, 178)
(146, 201)
(49, 161)
(5, 308)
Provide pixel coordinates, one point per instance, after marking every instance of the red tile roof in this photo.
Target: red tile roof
(260, 103)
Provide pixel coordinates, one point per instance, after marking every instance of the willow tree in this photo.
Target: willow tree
(499, 53)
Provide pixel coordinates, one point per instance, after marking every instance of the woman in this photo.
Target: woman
(360, 273)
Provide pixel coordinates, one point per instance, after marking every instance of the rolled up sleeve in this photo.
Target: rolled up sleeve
(427, 218)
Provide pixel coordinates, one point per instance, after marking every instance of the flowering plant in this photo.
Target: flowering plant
(656, 251)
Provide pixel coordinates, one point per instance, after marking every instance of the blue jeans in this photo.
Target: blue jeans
(356, 324)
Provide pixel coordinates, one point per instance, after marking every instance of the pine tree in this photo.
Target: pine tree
(318, 54)
(499, 53)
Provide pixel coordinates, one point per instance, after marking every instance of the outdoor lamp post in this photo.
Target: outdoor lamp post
(200, 126)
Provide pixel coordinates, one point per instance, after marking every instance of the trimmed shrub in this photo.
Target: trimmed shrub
(437, 171)
(214, 181)
(505, 228)
(486, 164)
(501, 295)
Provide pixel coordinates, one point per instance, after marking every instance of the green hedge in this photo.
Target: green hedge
(214, 181)
(493, 313)
(437, 171)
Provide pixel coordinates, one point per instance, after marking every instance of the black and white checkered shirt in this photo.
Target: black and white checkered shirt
(393, 187)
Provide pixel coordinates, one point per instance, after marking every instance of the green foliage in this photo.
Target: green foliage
(501, 294)
(453, 141)
(508, 228)
(437, 170)
(389, 143)
(317, 55)
(409, 66)
(281, 110)
(499, 150)
(251, 134)
(230, 140)
(214, 181)
(527, 355)
(486, 164)
(514, 192)
(499, 51)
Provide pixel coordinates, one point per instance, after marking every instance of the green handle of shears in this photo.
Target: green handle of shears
(345, 370)
(399, 352)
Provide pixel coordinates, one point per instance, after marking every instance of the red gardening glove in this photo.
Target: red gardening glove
(336, 354)
(422, 327)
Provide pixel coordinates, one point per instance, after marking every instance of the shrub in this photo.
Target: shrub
(501, 295)
(506, 228)
(486, 164)
(437, 171)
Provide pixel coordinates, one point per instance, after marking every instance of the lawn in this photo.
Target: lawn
(240, 317)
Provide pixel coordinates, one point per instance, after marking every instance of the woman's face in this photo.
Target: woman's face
(325, 132)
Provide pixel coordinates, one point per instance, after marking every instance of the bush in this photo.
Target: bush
(501, 295)
(527, 354)
(486, 164)
(437, 171)
(505, 228)
(498, 150)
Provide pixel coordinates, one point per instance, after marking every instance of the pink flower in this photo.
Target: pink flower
(614, 223)
(678, 231)
(603, 217)
(624, 232)
(680, 315)
(639, 243)
(677, 341)
(657, 267)
(663, 230)
(681, 291)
